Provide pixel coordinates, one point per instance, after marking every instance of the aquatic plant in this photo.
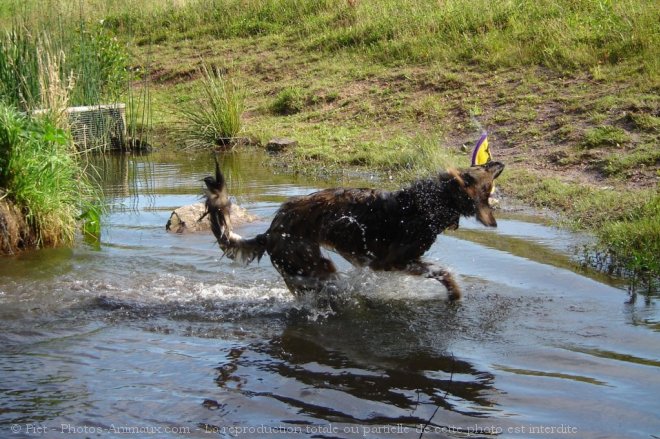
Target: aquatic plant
(138, 112)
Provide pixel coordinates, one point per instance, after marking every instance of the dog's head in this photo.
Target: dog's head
(475, 186)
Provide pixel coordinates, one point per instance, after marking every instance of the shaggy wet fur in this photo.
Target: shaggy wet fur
(378, 229)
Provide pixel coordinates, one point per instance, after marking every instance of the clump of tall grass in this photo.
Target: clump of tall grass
(138, 113)
(41, 172)
(215, 117)
(290, 100)
(54, 88)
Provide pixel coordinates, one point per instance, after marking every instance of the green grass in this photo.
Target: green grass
(560, 34)
(645, 122)
(42, 174)
(621, 165)
(605, 136)
(635, 242)
(404, 158)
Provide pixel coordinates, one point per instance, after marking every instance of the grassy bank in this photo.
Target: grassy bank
(563, 35)
(568, 91)
(626, 223)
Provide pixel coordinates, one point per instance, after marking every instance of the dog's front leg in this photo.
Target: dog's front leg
(433, 271)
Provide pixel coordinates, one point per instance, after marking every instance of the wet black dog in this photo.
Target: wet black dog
(374, 228)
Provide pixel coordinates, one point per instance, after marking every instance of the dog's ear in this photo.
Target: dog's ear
(456, 175)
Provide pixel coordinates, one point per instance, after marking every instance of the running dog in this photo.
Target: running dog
(382, 230)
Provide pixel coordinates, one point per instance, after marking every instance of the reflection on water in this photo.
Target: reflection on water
(154, 330)
(384, 387)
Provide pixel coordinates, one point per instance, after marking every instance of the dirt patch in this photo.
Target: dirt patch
(172, 77)
(15, 233)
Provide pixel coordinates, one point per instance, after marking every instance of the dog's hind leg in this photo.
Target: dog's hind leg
(433, 271)
(301, 264)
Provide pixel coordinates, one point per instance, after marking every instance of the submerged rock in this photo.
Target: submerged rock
(186, 219)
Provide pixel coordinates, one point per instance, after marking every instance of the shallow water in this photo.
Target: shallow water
(151, 334)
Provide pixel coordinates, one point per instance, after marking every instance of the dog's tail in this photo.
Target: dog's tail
(218, 208)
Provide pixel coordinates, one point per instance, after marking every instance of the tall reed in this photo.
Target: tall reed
(54, 87)
(19, 69)
(138, 112)
(94, 58)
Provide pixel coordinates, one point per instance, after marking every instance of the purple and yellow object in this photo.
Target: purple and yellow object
(481, 153)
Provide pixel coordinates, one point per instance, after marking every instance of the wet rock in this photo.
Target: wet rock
(186, 219)
(280, 144)
(211, 404)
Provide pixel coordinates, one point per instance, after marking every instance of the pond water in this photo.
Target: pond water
(151, 334)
